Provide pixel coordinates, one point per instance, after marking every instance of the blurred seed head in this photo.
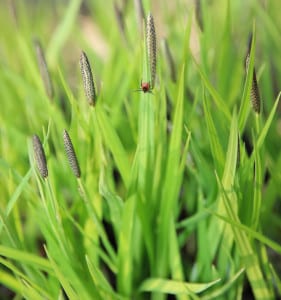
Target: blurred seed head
(119, 13)
(87, 78)
(40, 157)
(13, 12)
(151, 47)
(139, 15)
(43, 68)
(170, 60)
(255, 95)
(198, 14)
(71, 155)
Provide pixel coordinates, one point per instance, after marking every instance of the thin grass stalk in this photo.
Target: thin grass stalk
(151, 47)
(120, 21)
(87, 77)
(43, 68)
(140, 15)
(13, 12)
(198, 14)
(71, 155)
(40, 157)
(238, 153)
(170, 61)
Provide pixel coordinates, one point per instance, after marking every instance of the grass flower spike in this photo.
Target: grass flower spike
(40, 156)
(151, 47)
(255, 95)
(87, 77)
(71, 155)
(44, 69)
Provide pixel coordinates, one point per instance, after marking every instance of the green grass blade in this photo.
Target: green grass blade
(62, 32)
(220, 103)
(217, 228)
(25, 257)
(113, 142)
(175, 287)
(222, 290)
(170, 184)
(125, 246)
(245, 101)
(216, 148)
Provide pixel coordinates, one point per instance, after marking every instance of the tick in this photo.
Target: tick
(144, 87)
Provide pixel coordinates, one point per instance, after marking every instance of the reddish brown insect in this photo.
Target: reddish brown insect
(144, 87)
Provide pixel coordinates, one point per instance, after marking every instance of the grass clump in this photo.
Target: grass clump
(179, 192)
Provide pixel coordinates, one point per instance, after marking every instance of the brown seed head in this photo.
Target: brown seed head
(87, 77)
(151, 47)
(43, 68)
(40, 156)
(71, 155)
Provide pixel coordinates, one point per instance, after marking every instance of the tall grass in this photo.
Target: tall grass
(175, 192)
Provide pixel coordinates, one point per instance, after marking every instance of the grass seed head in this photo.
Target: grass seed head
(255, 95)
(43, 68)
(198, 14)
(71, 155)
(87, 77)
(151, 47)
(40, 156)
(119, 14)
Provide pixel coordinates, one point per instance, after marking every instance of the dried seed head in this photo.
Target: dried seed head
(151, 47)
(43, 68)
(170, 61)
(71, 155)
(87, 77)
(40, 156)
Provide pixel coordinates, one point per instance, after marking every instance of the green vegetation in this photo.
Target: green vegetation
(175, 193)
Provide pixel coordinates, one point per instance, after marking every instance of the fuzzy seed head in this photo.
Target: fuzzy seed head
(255, 94)
(71, 155)
(43, 68)
(40, 156)
(151, 47)
(87, 77)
